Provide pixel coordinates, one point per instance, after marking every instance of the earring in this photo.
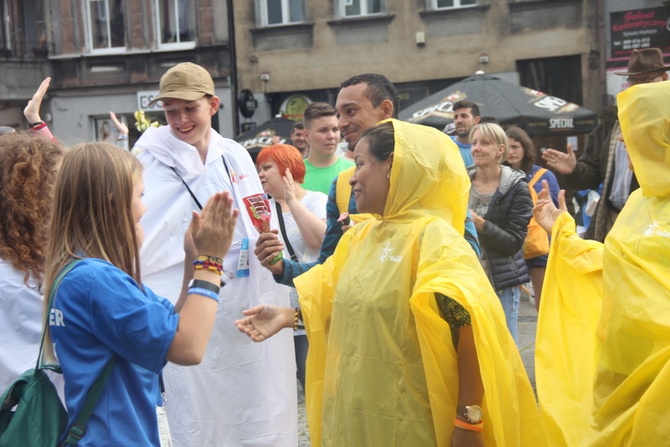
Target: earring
(388, 175)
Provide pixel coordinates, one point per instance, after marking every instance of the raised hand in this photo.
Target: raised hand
(263, 321)
(561, 162)
(545, 212)
(289, 187)
(213, 229)
(32, 109)
(120, 126)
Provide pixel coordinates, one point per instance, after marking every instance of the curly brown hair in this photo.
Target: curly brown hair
(28, 167)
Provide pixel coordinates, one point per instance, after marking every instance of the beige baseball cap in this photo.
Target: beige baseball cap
(187, 81)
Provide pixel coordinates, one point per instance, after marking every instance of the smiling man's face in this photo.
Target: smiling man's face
(356, 114)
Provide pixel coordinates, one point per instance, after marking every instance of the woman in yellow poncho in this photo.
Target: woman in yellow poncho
(401, 319)
(603, 349)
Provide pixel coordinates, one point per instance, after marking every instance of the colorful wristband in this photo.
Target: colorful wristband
(34, 127)
(203, 292)
(471, 427)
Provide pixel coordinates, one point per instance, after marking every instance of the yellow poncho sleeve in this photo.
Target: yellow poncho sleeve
(511, 416)
(565, 350)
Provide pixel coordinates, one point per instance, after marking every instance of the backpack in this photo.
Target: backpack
(31, 412)
(537, 241)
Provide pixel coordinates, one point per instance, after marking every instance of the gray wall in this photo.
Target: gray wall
(73, 116)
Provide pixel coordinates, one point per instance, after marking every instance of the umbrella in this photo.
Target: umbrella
(274, 131)
(535, 111)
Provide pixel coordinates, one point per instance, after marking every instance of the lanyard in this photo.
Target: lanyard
(195, 199)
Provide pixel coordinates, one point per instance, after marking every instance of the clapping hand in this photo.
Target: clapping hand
(289, 187)
(545, 212)
(213, 229)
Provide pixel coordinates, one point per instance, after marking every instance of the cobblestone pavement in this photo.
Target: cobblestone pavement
(303, 432)
(526, 342)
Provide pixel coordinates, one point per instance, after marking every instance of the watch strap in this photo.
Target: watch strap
(199, 283)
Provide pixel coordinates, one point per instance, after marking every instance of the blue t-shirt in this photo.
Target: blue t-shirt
(466, 152)
(98, 311)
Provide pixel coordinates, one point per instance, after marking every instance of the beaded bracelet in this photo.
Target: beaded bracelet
(471, 427)
(296, 318)
(204, 292)
(212, 259)
(208, 263)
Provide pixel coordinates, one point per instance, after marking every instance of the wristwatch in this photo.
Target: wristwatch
(472, 413)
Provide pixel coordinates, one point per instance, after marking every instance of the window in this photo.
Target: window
(280, 12)
(176, 22)
(106, 25)
(555, 76)
(357, 8)
(21, 30)
(5, 29)
(447, 4)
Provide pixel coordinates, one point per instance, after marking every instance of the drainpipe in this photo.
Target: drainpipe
(233, 67)
(602, 71)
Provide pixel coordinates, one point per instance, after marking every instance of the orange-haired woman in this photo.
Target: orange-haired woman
(303, 214)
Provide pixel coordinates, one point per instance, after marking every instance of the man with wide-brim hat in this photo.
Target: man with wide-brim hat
(605, 159)
(645, 65)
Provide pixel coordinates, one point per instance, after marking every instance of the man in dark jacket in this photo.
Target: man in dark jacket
(604, 159)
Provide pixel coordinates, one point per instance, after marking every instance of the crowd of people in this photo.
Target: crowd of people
(397, 279)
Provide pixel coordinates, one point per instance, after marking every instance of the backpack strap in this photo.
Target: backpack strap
(78, 428)
(54, 287)
(540, 172)
(343, 189)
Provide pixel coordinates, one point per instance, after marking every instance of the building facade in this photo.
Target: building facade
(291, 52)
(108, 55)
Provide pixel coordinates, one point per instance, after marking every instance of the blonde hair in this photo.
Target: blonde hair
(493, 132)
(92, 213)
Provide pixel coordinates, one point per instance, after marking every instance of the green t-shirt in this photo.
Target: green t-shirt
(320, 179)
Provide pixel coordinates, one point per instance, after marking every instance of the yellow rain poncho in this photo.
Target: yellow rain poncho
(603, 349)
(382, 368)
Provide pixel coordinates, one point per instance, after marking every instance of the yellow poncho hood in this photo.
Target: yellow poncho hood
(644, 115)
(382, 367)
(427, 177)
